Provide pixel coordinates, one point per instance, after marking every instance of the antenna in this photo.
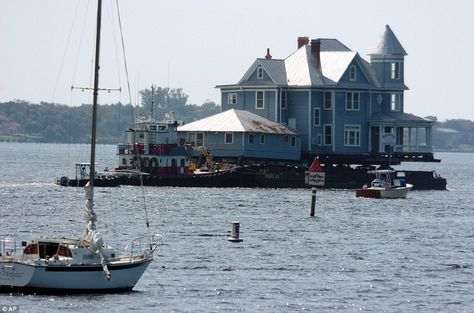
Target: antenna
(152, 102)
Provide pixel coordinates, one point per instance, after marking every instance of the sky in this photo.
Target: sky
(46, 46)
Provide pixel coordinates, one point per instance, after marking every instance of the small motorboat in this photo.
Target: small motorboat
(383, 186)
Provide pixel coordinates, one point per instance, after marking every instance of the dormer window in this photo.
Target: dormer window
(395, 70)
(259, 72)
(352, 73)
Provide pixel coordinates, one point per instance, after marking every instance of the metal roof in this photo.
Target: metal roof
(236, 121)
(388, 44)
(335, 63)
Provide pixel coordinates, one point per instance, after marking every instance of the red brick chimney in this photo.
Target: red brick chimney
(302, 41)
(268, 56)
(316, 51)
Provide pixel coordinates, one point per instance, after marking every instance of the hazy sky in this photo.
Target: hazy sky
(47, 45)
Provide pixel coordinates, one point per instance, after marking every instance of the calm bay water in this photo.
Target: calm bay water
(402, 255)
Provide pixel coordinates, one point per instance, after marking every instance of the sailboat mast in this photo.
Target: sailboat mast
(95, 95)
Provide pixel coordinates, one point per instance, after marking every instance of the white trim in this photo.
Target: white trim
(263, 99)
(319, 116)
(324, 100)
(357, 138)
(259, 72)
(352, 100)
(397, 103)
(225, 138)
(286, 99)
(395, 70)
(324, 135)
(310, 128)
(276, 106)
(230, 97)
(352, 67)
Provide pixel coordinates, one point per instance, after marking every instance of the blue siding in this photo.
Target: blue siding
(274, 146)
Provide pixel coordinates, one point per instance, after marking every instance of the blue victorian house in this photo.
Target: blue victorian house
(337, 102)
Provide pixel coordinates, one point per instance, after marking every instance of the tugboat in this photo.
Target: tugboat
(154, 148)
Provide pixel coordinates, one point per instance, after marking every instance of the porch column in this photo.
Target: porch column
(381, 145)
(409, 138)
(416, 140)
(428, 139)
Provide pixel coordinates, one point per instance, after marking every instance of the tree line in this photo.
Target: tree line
(59, 123)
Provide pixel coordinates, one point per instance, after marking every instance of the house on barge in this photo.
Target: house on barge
(342, 106)
(339, 107)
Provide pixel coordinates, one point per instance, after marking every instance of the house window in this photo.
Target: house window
(327, 100)
(293, 141)
(283, 99)
(232, 98)
(229, 138)
(259, 100)
(316, 117)
(199, 139)
(328, 134)
(395, 102)
(351, 135)
(352, 73)
(395, 70)
(352, 101)
(251, 139)
(262, 139)
(285, 139)
(259, 72)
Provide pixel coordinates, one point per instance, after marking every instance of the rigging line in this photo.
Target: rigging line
(65, 51)
(123, 51)
(114, 37)
(80, 42)
(130, 98)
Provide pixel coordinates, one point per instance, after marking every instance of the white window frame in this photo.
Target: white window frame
(395, 102)
(350, 105)
(232, 98)
(395, 70)
(314, 116)
(262, 139)
(231, 136)
(325, 133)
(256, 100)
(352, 135)
(353, 73)
(196, 139)
(259, 72)
(325, 100)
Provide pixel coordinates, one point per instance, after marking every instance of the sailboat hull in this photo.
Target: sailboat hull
(71, 278)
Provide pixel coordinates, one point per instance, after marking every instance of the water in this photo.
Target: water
(372, 255)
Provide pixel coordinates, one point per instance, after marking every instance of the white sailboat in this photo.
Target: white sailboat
(63, 265)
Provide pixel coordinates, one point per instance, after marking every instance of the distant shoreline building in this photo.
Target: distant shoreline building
(336, 101)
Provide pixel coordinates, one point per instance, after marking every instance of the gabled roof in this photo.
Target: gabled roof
(300, 68)
(274, 68)
(236, 121)
(388, 44)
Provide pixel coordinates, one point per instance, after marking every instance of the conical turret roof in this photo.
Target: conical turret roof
(388, 44)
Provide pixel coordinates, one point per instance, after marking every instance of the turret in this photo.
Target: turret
(387, 60)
